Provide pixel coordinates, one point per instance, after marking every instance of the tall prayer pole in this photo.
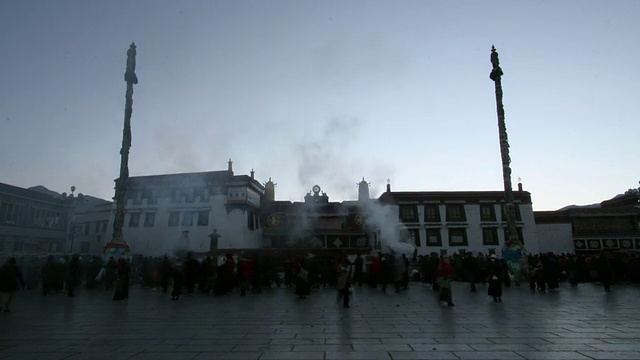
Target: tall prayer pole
(513, 249)
(121, 184)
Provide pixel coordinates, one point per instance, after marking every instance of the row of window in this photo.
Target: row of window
(454, 212)
(13, 214)
(99, 226)
(458, 236)
(200, 218)
(175, 195)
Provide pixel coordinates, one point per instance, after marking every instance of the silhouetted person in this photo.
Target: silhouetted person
(110, 273)
(495, 279)
(165, 273)
(48, 276)
(605, 269)
(178, 282)
(74, 274)
(358, 265)
(122, 280)
(11, 280)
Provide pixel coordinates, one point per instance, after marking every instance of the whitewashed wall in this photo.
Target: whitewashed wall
(164, 239)
(473, 226)
(555, 238)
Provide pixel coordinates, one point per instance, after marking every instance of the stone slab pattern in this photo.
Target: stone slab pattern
(573, 323)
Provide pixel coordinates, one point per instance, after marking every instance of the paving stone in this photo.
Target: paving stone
(573, 323)
(552, 355)
(100, 356)
(229, 356)
(612, 355)
(420, 355)
(357, 355)
(491, 355)
(274, 355)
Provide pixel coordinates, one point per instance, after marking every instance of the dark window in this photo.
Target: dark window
(203, 218)
(149, 219)
(455, 212)
(458, 237)
(87, 226)
(104, 226)
(487, 212)
(175, 196)
(137, 197)
(519, 232)
(490, 236)
(187, 218)
(174, 218)
(199, 194)
(134, 219)
(518, 215)
(189, 196)
(84, 247)
(433, 237)
(98, 225)
(409, 213)
(98, 238)
(432, 213)
(250, 220)
(9, 213)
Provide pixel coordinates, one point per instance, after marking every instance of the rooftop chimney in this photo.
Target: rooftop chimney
(230, 166)
(519, 184)
(252, 174)
(388, 185)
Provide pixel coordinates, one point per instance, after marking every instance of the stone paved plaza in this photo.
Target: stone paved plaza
(574, 323)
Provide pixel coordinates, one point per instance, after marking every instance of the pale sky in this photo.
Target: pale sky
(310, 92)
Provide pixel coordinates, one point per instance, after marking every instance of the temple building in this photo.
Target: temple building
(461, 221)
(315, 223)
(165, 214)
(612, 225)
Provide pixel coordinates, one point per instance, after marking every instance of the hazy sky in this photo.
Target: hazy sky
(325, 92)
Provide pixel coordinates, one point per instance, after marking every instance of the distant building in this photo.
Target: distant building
(612, 225)
(461, 221)
(32, 222)
(178, 212)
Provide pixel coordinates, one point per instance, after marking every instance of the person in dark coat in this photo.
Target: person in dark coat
(48, 276)
(11, 280)
(74, 274)
(122, 280)
(302, 283)
(178, 282)
(471, 270)
(496, 274)
(110, 271)
(165, 273)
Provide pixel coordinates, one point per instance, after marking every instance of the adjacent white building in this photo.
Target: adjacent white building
(461, 221)
(178, 212)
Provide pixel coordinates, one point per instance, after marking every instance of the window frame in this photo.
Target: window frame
(465, 239)
(437, 231)
(463, 214)
(437, 218)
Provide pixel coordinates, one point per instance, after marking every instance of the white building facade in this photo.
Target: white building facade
(463, 221)
(165, 214)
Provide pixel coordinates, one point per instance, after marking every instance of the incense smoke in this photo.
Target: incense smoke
(323, 161)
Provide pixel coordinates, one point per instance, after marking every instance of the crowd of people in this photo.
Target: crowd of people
(219, 275)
